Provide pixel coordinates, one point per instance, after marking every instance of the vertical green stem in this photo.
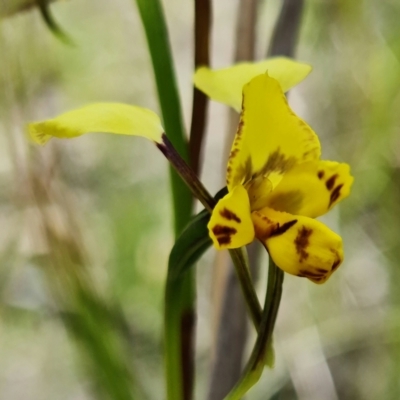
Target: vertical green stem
(157, 39)
(179, 297)
(243, 273)
(255, 365)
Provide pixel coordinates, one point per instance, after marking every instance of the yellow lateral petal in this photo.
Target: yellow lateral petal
(230, 225)
(115, 118)
(226, 85)
(299, 245)
(311, 188)
(270, 139)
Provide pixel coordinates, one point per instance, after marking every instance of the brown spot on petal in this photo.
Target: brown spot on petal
(331, 181)
(278, 162)
(224, 240)
(302, 242)
(240, 128)
(280, 229)
(335, 194)
(223, 230)
(233, 153)
(335, 265)
(310, 274)
(229, 215)
(223, 233)
(321, 174)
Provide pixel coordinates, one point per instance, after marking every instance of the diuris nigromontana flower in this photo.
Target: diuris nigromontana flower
(277, 185)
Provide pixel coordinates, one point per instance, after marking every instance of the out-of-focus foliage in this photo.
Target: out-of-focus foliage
(11, 7)
(86, 224)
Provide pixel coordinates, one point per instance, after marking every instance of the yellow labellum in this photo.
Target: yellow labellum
(299, 245)
(225, 85)
(114, 118)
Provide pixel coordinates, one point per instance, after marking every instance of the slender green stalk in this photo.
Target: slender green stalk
(239, 258)
(255, 365)
(51, 23)
(157, 39)
(179, 298)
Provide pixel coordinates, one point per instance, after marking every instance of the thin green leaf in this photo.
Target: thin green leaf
(190, 246)
(192, 243)
(179, 293)
(155, 27)
(51, 23)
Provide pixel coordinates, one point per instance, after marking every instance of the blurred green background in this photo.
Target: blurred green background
(86, 224)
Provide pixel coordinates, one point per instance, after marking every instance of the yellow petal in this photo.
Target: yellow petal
(230, 225)
(311, 188)
(115, 118)
(270, 139)
(259, 190)
(299, 245)
(226, 85)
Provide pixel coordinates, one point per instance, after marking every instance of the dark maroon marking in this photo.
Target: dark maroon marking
(331, 181)
(302, 242)
(223, 230)
(321, 270)
(223, 233)
(282, 229)
(321, 174)
(335, 265)
(310, 274)
(335, 194)
(224, 240)
(229, 215)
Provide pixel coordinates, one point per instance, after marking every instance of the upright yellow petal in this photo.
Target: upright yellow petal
(226, 85)
(230, 224)
(299, 245)
(270, 139)
(115, 118)
(311, 188)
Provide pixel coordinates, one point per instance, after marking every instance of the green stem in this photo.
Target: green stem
(179, 297)
(255, 365)
(152, 16)
(239, 258)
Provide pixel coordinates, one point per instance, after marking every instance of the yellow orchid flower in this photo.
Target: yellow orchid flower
(277, 185)
(276, 182)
